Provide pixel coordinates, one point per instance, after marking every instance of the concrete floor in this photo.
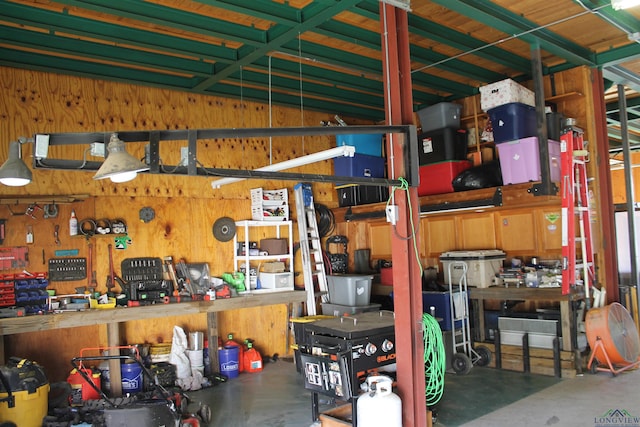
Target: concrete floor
(276, 398)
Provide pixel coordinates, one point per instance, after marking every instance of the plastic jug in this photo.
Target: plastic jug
(380, 406)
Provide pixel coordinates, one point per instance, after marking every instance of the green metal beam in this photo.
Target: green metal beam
(274, 43)
(503, 20)
(98, 51)
(53, 21)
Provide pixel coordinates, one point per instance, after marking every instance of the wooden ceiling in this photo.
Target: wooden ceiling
(319, 54)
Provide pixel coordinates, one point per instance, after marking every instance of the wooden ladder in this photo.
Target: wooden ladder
(575, 208)
(310, 247)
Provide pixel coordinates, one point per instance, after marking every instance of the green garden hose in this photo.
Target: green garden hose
(434, 359)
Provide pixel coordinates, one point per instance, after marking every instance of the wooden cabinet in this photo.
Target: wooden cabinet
(476, 231)
(438, 235)
(515, 232)
(549, 229)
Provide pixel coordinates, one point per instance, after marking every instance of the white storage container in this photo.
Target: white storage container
(439, 116)
(281, 281)
(504, 92)
(349, 290)
(482, 266)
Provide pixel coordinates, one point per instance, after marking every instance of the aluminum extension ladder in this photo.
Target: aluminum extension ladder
(310, 247)
(575, 207)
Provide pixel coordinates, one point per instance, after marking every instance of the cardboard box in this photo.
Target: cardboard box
(340, 416)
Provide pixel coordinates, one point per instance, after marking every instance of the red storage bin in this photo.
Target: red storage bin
(437, 178)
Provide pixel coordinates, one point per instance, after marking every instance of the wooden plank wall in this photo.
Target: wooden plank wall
(185, 207)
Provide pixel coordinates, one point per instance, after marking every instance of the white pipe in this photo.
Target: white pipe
(343, 150)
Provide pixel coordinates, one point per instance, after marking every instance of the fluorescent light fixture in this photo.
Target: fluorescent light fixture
(119, 165)
(342, 151)
(624, 4)
(14, 172)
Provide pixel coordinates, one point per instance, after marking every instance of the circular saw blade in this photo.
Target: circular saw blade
(224, 229)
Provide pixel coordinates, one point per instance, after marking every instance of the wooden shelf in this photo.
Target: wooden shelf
(562, 97)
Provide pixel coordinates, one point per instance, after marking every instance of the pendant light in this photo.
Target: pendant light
(14, 172)
(119, 165)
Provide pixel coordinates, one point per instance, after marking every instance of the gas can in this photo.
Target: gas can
(252, 359)
(81, 390)
(380, 406)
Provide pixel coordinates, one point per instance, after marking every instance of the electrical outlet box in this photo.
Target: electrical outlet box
(184, 156)
(392, 214)
(97, 149)
(42, 146)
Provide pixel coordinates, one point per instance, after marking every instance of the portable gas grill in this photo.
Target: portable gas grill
(341, 351)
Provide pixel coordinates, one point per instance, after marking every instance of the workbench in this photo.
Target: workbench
(113, 317)
(477, 296)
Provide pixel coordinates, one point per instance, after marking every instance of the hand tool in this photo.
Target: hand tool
(56, 234)
(111, 278)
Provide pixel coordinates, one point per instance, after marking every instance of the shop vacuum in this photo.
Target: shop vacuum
(24, 391)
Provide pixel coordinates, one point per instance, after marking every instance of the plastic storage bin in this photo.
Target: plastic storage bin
(504, 92)
(441, 115)
(438, 177)
(482, 266)
(349, 289)
(441, 302)
(520, 161)
(279, 281)
(365, 143)
(442, 144)
(360, 165)
(353, 194)
(513, 121)
(337, 310)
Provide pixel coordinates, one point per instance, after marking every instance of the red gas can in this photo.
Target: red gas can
(252, 359)
(81, 390)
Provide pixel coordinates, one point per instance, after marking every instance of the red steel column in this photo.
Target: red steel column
(407, 277)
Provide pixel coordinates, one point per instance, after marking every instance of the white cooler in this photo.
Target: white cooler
(482, 266)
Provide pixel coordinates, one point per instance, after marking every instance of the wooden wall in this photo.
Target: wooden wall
(185, 207)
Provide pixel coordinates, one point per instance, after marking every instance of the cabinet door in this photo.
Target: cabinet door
(438, 235)
(516, 232)
(380, 240)
(476, 231)
(549, 229)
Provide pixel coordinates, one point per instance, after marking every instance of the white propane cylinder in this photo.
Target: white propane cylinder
(380, 406)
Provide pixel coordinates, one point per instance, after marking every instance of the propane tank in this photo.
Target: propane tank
(380, 406)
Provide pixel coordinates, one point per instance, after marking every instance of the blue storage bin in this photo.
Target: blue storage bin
(360, 165)
(365, 143)
(440, 300)
(513, 121)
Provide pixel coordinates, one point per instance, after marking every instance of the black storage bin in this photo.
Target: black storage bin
(442, 144)
(353, 195)
(554, 125)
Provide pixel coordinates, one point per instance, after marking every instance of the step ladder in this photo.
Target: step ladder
(575, 208)
(310, 247)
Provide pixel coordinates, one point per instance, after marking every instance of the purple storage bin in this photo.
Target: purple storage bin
(520, 161)
(513, 121)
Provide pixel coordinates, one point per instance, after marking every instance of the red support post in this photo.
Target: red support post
(407, 277)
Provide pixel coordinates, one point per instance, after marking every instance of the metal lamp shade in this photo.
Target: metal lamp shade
(14, 172)
(119, 165)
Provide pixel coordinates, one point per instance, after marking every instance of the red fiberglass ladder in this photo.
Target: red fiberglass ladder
(575, 207)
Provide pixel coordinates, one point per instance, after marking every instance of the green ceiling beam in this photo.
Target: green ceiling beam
(455, 66)
(461, 41)
(275, 43)
(262, 9)
(622, 19)
(175, 18)
(54, 21)
(503, 20)
(618, 55)
(98, 51)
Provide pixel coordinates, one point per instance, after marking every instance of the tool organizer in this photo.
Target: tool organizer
(67, 269)
(28, 292)
(144, 278)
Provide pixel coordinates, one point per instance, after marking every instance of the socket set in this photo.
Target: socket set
(141, 269)
(67, 269)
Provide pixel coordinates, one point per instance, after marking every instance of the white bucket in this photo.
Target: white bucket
(196, 359)
(380, 406)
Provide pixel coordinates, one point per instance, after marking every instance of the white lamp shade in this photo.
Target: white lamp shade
(14, 172)
(624, 4)
(119, 165)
